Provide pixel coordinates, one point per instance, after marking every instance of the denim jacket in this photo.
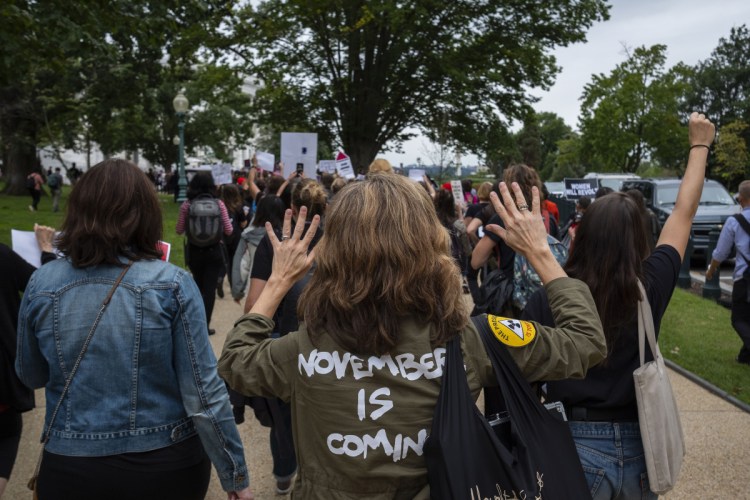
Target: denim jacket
(148, 379)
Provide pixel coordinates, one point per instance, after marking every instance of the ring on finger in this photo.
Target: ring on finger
(285, 237)
(523, 206)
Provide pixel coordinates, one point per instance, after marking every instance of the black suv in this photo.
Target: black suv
(715, 207)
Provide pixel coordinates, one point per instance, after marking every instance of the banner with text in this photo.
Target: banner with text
(575, 188)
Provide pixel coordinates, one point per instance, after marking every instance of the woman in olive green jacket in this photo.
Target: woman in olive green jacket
(363, 372)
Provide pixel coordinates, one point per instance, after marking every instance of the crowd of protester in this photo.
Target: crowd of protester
(342, 281)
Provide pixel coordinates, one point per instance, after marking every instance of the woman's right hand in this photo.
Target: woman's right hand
(700, 130)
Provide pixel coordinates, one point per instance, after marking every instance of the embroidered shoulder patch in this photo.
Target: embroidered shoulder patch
(512, 332)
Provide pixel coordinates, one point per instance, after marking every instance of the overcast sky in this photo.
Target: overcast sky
(689, 28)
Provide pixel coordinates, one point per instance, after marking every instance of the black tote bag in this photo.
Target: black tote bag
(531, 456)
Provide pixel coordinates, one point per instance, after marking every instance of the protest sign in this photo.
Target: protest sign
(24, 244)
(222, 173)
(266, 161)
(575, 188)
(344, 166)
(458, 193)
(416, 174)
(328, 166)
(299, 148)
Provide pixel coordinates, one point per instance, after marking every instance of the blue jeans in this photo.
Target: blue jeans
(611, 454)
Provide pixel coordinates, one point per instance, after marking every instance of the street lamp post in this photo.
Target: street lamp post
(181, 105)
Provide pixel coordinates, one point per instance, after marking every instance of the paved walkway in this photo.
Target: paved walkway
(717, 464)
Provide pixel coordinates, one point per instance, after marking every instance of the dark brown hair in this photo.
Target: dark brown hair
(112, 212)
(230, 195)
(610, 246)
(525, 176)
(384, 257)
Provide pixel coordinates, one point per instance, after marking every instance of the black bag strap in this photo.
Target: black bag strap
(743, 222)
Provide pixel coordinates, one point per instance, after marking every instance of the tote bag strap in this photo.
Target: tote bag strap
(646, 327)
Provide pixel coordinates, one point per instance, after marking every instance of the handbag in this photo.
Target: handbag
(45, 436)
(658, 416)
(531, 454)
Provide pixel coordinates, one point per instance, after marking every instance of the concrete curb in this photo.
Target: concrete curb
(707, 385)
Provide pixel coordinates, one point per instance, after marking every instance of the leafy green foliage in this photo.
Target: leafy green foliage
(632, 114)
(77, 73)
(720, 85)
(731, 155)
(367, 71)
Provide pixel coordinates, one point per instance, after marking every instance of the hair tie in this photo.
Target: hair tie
(700, 146)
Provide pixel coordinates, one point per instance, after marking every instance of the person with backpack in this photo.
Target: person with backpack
(736, 233)
(204, 220)
(34, 183)
(492, 246)
(55, 182)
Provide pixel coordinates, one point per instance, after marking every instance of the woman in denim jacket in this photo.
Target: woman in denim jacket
(145, 412)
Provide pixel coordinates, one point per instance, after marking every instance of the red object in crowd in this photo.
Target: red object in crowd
(240, 180)
(551, 207)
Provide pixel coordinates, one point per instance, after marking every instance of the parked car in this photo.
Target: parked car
(555, 188)
(611, 180)
(715, 207)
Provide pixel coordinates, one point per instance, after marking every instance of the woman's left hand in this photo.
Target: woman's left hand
(291, 259)
(524, 229)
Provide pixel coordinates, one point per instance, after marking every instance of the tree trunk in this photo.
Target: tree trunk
(361, 153)
(18, 132)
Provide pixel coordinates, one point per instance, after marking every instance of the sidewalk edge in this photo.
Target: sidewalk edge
(707, 385)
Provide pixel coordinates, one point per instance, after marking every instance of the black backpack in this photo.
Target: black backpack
(30, 182)
(204, 227)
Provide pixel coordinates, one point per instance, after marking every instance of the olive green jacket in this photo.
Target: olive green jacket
(360, 422)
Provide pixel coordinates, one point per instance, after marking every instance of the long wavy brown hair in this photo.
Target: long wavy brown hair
(384, 257)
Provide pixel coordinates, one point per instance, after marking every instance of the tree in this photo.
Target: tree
(552, 129)
(568, 158)
(632, 114)
(530, 141)
(498, 147)
(74, 73)
(369, 70)
(720, 85)
(732, 158)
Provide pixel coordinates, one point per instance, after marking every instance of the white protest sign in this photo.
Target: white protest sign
(344, 166)
(416, 174)
(266, 161)
(299, 148)
(328, 166)
(458, 193)
(24, 244)
(222, 173)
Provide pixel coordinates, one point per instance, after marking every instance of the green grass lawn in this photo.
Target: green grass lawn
(695, 333)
